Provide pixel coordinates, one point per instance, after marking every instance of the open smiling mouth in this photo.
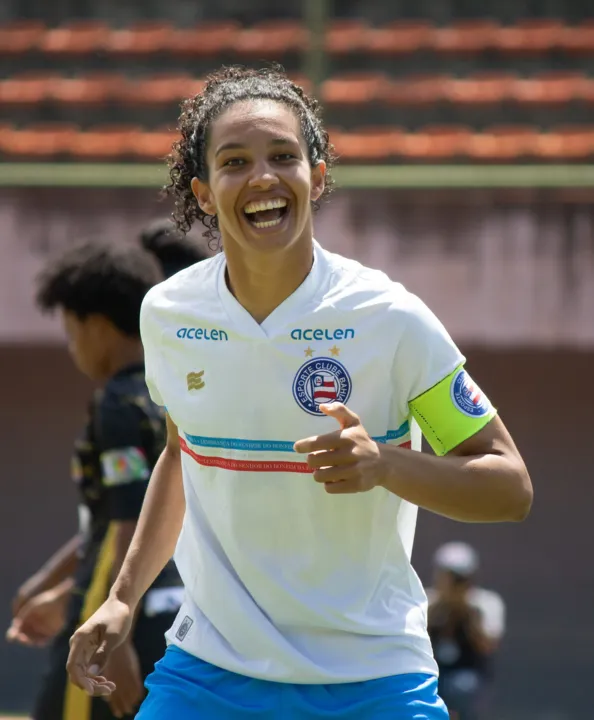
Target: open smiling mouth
(266, 213)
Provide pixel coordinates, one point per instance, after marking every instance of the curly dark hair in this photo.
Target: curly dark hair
(171, 247)
(224, 88)
(100, 278)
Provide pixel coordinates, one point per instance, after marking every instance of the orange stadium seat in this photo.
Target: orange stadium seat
(39, 140)
(529, 36)
(355, 88)
(27, 88)
(205, 40)
(435, 142)
(77, 37)
(549, 88)
(105, 141)
(367, 143)
(570, 142)
(465, 36)
(272, 38)
(586, 93)
(153, 144)
(347, 36)
(143, 38)
(400, 37)
(417, 89)
(479, 89)
(503, 142)
(20, 36)
(92, 89)
(578, 38)
(162, 89)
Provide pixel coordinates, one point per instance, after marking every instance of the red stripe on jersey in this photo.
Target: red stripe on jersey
(244, 465)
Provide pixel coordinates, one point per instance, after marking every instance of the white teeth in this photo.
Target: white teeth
(269, 223)
(254, 207)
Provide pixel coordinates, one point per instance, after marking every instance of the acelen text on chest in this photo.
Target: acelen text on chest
(192, 333)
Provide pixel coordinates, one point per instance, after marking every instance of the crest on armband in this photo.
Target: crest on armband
(467, 396)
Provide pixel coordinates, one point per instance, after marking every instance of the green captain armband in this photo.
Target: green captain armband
(451, 411)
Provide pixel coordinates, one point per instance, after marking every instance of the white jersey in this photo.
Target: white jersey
(284, 581)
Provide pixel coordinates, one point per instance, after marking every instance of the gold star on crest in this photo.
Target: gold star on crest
(334, 351)
(309, 352)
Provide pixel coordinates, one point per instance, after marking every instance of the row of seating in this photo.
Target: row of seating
(346, 89)
(273, 38)
(499, 143)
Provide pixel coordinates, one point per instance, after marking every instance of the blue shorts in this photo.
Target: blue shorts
(186, 688)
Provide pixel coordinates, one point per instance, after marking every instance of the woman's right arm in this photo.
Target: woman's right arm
(152, 546)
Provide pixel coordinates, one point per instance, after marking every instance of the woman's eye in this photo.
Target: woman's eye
(284, 156)
(234, 162)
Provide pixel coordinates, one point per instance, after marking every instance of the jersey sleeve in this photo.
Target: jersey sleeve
(150, 336)
(124, 462)
(439, 393)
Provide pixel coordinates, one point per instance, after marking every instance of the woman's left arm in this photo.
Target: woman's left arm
(483, 479)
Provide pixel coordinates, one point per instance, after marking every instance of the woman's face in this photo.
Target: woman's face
(86, 343)
(260, 182)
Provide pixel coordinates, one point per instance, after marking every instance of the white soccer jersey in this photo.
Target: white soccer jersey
(284, 581)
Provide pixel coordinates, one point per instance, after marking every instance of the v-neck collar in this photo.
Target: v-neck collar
(245, 323)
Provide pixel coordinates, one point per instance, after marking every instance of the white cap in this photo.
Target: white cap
(457, 557)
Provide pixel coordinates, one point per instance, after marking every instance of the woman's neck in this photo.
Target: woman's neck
(261, 282)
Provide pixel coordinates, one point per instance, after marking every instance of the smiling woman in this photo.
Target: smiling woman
(301, 600)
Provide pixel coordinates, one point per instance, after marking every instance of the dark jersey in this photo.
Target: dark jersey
(112, 464)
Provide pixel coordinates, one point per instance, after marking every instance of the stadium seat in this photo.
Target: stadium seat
(92, 89)
(503, 143)
(153, 144)
(416, 90)
(39, 140)
(347, 36)
(162, 89)
(399, 38)
(435, 142)
(27, 88)
(272, 38)
(78, 37)
(104, 142)
(586, 92)
(566, 143)
(372, 144)
(20, 36)
(205, 40)
(143, 38)
(548, 88)
(479, 89)
(355, 88)
(529, 36)
(465, 36)
(578, 38)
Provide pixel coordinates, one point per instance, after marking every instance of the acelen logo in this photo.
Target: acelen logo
(322, 334)
(201, 334)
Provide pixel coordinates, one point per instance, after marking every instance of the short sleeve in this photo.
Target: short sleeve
(447, 404)
(150, 336)
(124, 461)
(425, 354)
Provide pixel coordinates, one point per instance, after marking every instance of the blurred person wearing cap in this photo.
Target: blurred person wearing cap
(465, 624)
(98, 289)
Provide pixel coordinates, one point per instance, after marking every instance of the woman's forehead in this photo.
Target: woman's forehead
(255, 119)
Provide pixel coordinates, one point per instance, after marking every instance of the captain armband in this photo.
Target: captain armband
(452, 411)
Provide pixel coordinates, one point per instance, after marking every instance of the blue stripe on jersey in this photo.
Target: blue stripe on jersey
(274, 445)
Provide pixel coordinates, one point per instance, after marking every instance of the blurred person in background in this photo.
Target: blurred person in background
(98, 290)
(466, 624)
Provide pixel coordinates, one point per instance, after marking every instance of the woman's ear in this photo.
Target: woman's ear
(203, 196)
